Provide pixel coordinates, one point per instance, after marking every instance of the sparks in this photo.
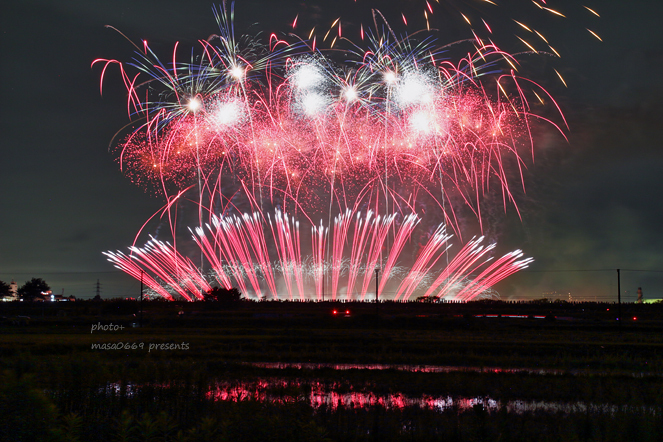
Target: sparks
(263, 137)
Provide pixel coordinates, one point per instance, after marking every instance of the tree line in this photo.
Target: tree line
(28, 291)
(36, 286)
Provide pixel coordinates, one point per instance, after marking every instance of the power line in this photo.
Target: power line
(588, 270)
(566, 271)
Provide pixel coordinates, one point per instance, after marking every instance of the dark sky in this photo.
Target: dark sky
(592, 203)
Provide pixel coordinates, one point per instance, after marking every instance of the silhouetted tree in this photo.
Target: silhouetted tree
(33, 288)
(223, 295)
(4, 289)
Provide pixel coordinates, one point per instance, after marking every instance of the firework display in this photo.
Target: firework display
(357, 141)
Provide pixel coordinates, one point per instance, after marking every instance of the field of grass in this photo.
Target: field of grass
(160, 390)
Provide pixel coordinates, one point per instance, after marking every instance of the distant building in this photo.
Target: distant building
(13, 290)
(50, 297)
(43, 297)
(60, 298)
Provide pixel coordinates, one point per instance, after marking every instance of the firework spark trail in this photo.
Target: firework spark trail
(286, 234)
(282, 254)
(167, 269)
(319, 127)
(463, 263)
(175, 269)
(212, 256)
(379, 236)
(318, 243)
(231, 252)
(226, 246)
(253, 230)
(426, 259)
(160, 258)
(400, 239)
(500, 269)
(242, 243)
(289, 126)
(231, 72)
(339, 239)
(293, 247)
(360, 238)
(130, 266)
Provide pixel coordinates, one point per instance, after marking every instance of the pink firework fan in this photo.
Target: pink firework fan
(268, 135)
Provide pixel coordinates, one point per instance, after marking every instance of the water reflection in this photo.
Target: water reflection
(329, 395)
(335, 395)
(444, 369)
(410, 368)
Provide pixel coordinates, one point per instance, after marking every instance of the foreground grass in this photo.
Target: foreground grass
(184, 413)
(51, 370)
(532, 344)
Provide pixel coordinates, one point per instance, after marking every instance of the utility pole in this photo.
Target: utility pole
(98, 289)
(141, 299)
(377, 280)
(619, 297)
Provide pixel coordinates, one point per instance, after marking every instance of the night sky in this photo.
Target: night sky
(593, 203)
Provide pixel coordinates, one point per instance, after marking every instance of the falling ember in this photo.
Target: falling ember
(526, 44)
(523, 26)
(594, 34)
(554, 12)
(560, 77)
(486, 25)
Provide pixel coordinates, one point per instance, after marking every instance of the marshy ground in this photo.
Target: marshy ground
(531, 371)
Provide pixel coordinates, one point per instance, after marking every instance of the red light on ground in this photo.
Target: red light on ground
(635, 319)
(347, 312)
(334, 312)
(607, 310)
